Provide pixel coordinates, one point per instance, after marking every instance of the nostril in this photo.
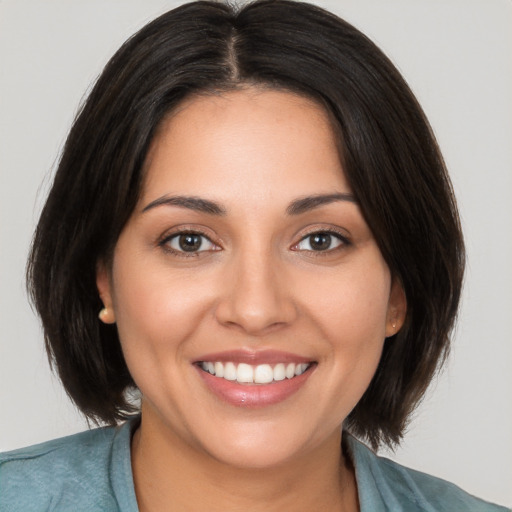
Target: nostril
(253, 296)
(254, 315)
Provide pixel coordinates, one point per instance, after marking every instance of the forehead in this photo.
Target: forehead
(245, 143)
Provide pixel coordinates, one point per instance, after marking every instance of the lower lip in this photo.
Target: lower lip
(254, 395)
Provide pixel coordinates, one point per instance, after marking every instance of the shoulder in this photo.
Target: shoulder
(71, 473)
(383, 482)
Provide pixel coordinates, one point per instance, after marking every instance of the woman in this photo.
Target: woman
(254, 203)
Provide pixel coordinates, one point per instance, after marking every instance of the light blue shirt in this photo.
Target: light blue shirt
(91, 472)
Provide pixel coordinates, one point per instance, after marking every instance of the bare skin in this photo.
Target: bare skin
(280, 263)
(170, 481)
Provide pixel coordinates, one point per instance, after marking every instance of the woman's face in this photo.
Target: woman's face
(248, 256)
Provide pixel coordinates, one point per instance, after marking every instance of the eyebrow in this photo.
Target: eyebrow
(308, 203)
(192, 203)
(296, 207)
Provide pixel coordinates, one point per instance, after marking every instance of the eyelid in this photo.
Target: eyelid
(329, 230)
(164, 240)
(332, 230)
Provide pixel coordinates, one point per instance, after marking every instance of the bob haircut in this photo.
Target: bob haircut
(387, 149)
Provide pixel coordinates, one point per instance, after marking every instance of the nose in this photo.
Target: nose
(255, 297)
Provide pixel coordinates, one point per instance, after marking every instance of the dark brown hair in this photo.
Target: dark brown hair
(389, 153)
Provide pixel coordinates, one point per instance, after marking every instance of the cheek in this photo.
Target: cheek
(353, 304)
(159, 311)
(350, 311)
(154, 309)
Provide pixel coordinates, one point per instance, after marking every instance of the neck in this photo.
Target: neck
(169, 474)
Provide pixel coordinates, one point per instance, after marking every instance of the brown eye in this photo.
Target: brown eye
(321, 241)
(190, 242)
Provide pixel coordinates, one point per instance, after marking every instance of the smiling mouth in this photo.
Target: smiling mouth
(244, 373)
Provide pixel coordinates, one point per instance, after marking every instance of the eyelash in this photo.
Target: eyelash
(164, 243)
(344, 242)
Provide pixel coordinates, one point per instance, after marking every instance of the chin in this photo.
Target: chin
(259, 444)
(256, 455)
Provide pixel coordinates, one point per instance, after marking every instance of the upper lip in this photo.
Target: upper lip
(254, 357)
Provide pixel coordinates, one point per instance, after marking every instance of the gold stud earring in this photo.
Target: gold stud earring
(106, 315)
(393, 328)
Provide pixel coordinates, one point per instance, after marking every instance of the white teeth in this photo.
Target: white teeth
(300, 368)
(260, 374)
(244, 373)
(229, 371)
(279, 372)
(263, 374)
(219, 369)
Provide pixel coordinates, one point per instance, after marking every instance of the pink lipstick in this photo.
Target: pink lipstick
(254, 379)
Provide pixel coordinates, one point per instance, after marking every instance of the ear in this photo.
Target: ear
(107, 314)
(397, 308)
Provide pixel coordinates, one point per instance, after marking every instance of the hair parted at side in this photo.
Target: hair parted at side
(388, 151)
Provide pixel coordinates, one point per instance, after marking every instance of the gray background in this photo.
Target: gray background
(456, 55)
